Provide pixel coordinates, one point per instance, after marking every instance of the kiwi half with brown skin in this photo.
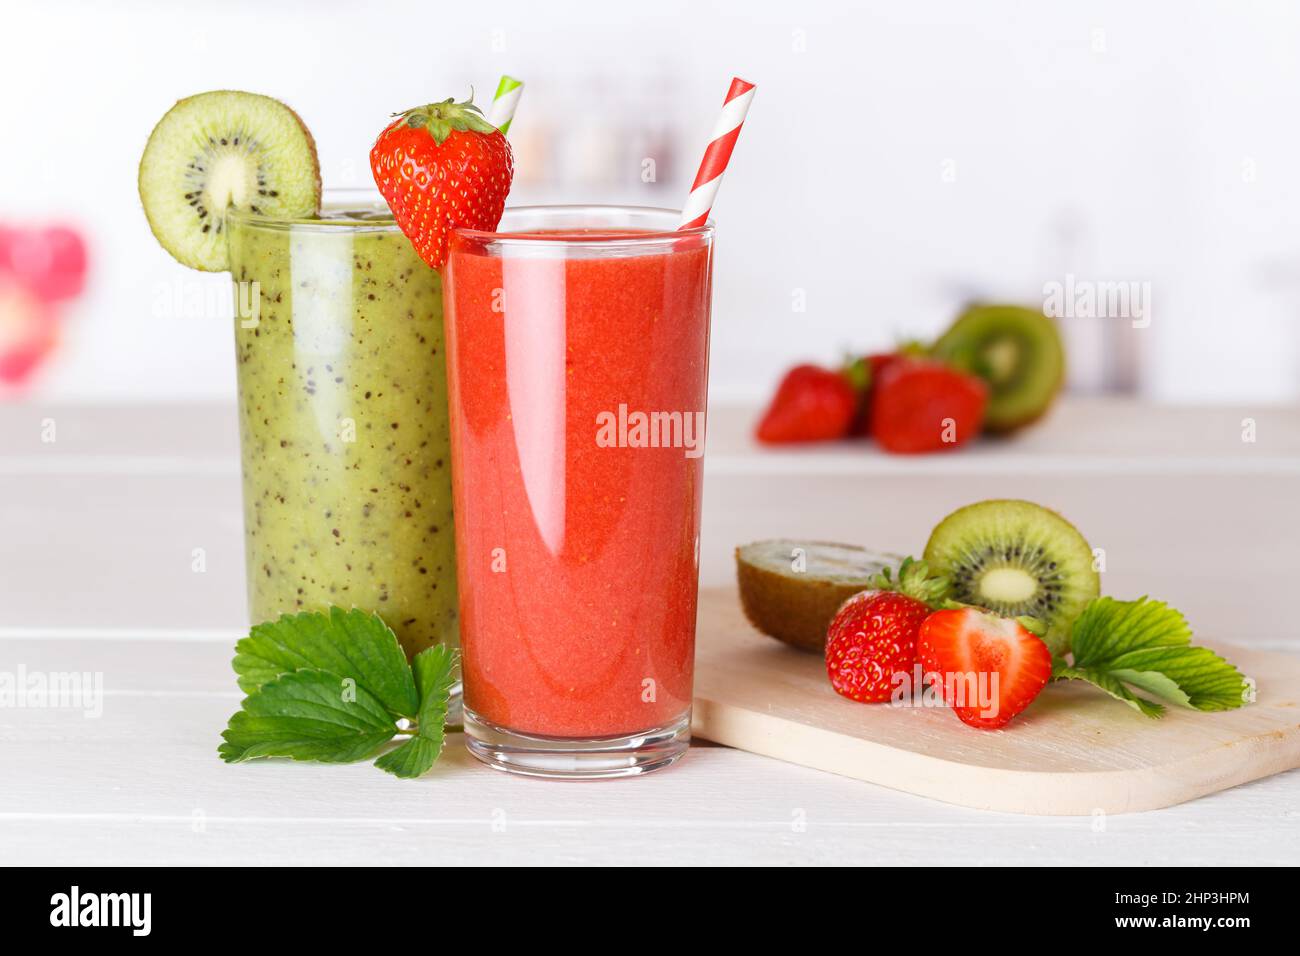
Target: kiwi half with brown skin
(791, 589)
(1017, 351)
(1017, 559)
(221, 149)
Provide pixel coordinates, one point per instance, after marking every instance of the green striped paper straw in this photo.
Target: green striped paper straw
(503, 104)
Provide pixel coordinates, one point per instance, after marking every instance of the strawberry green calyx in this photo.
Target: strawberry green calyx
(857, 371)
(440, 119)
(915, 580)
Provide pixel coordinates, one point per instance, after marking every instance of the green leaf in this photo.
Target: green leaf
(1111, 685)
(1146, 644)
(411, 759)
(435, 673)
(308, 715)
(348, 643)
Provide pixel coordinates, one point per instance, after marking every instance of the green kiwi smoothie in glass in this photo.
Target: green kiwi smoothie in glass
(343, 420)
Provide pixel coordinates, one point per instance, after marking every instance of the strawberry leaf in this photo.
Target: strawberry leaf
(1145, 645)
(308, 715)
(348, 643)
(435, 673)
(1107, 682)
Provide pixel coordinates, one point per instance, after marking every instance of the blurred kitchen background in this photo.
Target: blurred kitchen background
(900, 159)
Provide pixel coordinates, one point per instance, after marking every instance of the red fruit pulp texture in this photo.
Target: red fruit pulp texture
(921, 406)
(960, 650)
(577, 561)
(811, 404)
(872, 638)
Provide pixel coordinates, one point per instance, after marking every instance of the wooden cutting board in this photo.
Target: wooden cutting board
(1075, 751)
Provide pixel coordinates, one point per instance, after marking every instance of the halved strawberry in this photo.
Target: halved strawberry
(989, 668)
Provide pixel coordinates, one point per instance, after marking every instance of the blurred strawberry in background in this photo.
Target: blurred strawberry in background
(865, 373)
(811, 404)
(923, 406)
(997, 368)
(41, 268)
(28, 332)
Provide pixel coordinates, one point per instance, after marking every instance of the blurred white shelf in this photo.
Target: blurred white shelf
(1079, 436)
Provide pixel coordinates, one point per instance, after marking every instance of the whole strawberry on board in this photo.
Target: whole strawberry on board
(811, 404)
(873, 636)
(970, 654)
(920, 405)
(442, 167)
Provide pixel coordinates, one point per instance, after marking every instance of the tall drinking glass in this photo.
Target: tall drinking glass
(343, 419)
(578, 373)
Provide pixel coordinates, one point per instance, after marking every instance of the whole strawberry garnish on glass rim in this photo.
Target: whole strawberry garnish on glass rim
(442, 167)
(873, 636)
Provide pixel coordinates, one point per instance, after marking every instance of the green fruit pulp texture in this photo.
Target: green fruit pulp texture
(343, 427)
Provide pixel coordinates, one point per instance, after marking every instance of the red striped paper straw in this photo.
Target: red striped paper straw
(714, 164)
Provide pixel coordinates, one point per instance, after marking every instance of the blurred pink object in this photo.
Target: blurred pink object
(50, 261)
(28, 331)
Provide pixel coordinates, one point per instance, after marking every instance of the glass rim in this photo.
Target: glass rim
(371, 197)
(334, 195)
(569, 239)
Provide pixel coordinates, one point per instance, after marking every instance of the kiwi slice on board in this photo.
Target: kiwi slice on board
(1017, 558)
(1017, 351)
(790, 589)
(219, 149)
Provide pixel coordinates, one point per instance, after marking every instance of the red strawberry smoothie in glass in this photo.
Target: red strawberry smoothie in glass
(578, 371)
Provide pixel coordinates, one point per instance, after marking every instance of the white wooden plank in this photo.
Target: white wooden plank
(145, 786)
(142, 784)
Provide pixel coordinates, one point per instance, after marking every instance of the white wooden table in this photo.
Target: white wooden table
(98, 531)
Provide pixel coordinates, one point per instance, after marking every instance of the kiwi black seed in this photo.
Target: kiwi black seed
(1017, 558)
(1017, 351)
(219, 150)
(791, 589)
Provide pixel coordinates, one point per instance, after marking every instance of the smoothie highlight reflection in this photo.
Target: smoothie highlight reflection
(535, 386)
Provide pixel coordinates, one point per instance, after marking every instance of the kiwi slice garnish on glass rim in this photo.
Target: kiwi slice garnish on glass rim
(1017, 351)
(791, 589)
(220, 149)
(1017, 559)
